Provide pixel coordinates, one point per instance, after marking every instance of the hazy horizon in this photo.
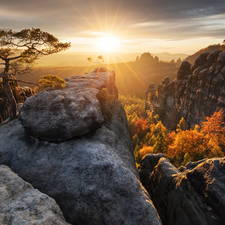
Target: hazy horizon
(80, 59)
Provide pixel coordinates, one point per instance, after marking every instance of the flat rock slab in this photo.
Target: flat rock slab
(96, 79)
(22, 204)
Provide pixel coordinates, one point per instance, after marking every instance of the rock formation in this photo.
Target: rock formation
(22, 204)
(20, 94)
(197, 92)
(194, 196)
(74, 145)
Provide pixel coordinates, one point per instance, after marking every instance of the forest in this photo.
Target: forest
(181, 145)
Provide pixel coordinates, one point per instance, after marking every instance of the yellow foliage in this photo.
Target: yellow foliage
(182, 125)
(146, 150)
(50, 81)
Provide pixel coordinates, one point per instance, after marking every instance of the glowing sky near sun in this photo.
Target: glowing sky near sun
(122, 25)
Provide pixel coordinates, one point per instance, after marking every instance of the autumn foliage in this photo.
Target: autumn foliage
(181, 146)
(204, 141)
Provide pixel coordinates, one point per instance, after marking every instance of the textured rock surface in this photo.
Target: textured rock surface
(20, 94)
(92, 177)
(195, 196)
(57, 115)
(197, 92)
(147, 165)
(22, 204)
(73, 111)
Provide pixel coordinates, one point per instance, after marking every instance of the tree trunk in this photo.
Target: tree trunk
(10, 96)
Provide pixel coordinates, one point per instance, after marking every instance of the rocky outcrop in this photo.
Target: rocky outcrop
(20, 94)
(22, 204)
(91, 173)
(197, 92)
(194, 196)
(147, 165)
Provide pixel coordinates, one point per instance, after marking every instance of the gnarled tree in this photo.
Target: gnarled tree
(24, 47)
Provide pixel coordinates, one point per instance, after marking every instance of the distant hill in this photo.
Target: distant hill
(165, 56)
(211, 48)
(80, 59)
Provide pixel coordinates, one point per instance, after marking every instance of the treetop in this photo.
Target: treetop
(34, 42)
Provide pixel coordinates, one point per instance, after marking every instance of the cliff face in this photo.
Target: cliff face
(189, 195)
(20, 94)
(74, 145)
(197, 92)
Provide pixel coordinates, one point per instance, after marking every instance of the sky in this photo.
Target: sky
(175, 26)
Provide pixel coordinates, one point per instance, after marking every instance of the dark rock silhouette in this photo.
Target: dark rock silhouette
(194, 196)
(147, 165)
(197, 92)
(91, 176)
(22, 204)
(20, 94)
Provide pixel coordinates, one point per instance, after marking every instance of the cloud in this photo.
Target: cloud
(143, 19)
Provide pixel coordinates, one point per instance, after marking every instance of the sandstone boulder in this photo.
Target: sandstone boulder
(92, 176)
(73, 111)
(22, 204)
(58, 115)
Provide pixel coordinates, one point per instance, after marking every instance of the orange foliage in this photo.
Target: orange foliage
(188, 141)
(170, 138)
(141, 127)
(214, 127)
(201, 142)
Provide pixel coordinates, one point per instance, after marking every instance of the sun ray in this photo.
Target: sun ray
(131, 69)
(114, 20)
(126, 17)
(97, 17)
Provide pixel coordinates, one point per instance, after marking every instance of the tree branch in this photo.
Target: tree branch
(23, 81)
(13, 58)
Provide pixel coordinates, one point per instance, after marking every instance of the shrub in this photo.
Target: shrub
(50, 81)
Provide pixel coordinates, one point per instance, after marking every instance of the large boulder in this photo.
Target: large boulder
(22, 204)
(92, 176)
(194, 196)
(58, 115)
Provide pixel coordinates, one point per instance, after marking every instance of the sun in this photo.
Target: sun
(108, 43)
